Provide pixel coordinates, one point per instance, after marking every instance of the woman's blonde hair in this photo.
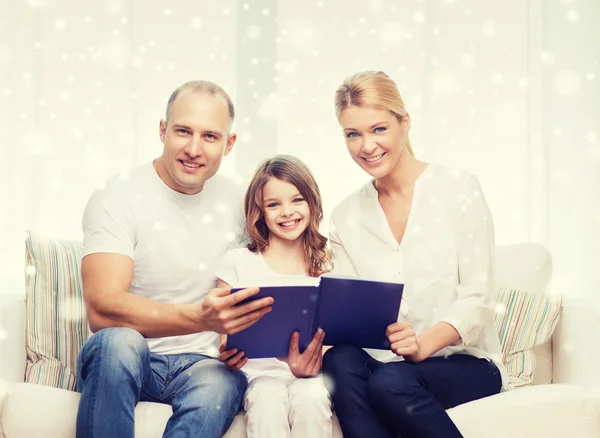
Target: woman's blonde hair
(373, 89)
(290, 169)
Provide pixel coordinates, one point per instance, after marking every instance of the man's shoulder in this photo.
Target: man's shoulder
(127, 183)
(131, 179)
(223, 184)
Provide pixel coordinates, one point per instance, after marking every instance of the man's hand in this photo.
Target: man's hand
(232, 358)
(218, 311)
(307, 364)
(404, 341)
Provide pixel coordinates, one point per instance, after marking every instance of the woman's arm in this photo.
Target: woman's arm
(468, 314)
(475, 248)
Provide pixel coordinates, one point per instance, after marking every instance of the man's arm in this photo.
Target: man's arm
(106, 281)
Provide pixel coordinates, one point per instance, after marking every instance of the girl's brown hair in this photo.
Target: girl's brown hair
(290, 169)
(374, 89)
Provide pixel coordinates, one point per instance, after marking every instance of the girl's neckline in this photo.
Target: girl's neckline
(279, 273)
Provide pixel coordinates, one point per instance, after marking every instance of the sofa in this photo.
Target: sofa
(30, 407)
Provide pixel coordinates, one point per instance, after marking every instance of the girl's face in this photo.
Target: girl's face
(375, 138)
(287, 214)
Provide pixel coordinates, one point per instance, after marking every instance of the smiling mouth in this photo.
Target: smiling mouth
(374, 159)
(289, 224)
(190, 165)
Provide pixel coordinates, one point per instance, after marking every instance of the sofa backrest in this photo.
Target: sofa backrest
(55, 302)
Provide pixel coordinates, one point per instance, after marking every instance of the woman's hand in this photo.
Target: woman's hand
(232, 358)
(404, 341)
(307, 364)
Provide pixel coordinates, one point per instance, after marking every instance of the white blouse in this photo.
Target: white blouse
(445, 258)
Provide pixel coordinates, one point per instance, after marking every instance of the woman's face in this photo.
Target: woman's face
(374, 137)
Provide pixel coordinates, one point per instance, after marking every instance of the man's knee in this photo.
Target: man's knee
(212, 379)
(115, 346)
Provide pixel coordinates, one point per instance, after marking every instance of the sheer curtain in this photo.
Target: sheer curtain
(507, 90)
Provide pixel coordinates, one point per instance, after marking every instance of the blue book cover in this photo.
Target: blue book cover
(350, 311)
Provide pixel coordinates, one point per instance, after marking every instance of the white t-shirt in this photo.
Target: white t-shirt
(242, 268)
(445, 258)
(175, 241)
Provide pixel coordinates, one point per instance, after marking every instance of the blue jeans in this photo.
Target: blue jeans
(116, 370)
(384, 400)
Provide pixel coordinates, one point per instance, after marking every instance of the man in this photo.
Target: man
(152, 241)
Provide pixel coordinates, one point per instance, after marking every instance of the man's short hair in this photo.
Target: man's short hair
(202, 87)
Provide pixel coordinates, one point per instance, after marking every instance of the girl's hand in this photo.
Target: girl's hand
(307, 364)
(404, 341)
(232, 358)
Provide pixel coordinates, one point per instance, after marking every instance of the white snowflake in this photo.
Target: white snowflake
(37, 3)
(467, 61)
(567, 83)
(591, 136)
(573, 16)
(392, 34)
(488, 29)
(419, 17)
(547, 57)
(253, 32)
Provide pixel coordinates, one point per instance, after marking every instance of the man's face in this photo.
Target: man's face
(195, 140)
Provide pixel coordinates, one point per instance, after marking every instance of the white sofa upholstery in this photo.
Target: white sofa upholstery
(543, 410)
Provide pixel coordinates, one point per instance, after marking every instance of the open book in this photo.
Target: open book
(350, 311)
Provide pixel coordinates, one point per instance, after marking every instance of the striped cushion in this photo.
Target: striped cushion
(56, 325)
(523, 321)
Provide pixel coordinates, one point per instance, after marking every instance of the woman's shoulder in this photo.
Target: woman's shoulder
(450, 178)
(354, 201)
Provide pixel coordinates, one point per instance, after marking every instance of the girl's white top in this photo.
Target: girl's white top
(242, 268)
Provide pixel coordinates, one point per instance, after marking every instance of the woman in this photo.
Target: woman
(428, 226)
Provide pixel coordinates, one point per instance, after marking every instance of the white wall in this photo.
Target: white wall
(508, 90)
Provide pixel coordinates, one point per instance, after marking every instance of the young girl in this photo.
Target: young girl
(283, 212)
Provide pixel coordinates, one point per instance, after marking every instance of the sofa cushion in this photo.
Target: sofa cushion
(35, 411)
(56, 323)
(549, 411)
(524, 320)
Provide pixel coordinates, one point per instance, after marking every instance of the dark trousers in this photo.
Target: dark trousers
(385, 400)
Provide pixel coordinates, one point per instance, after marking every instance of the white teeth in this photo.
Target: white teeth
(192, 165)
(374, 158)
(290, 223)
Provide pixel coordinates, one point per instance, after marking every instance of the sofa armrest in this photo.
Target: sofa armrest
(575, 343)
(12, 341)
